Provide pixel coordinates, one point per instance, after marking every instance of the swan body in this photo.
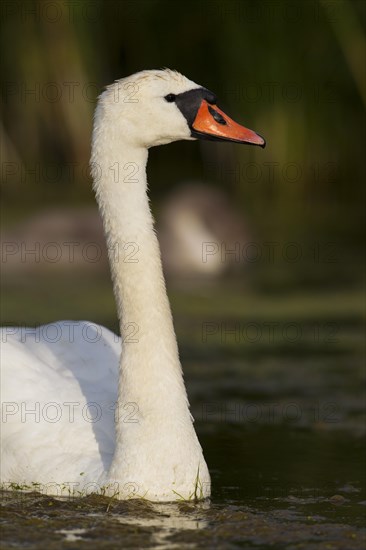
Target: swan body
(69, 396)
(83, 410)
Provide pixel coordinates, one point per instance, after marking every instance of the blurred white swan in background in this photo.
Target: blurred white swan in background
(201, 232)
(78, 415)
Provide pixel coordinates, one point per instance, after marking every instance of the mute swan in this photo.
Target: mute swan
(77, 419)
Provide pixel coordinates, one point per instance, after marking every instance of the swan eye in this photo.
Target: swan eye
(170, 98)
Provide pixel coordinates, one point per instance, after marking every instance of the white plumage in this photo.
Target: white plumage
(58, 401)
(79, 416)
(144, 443)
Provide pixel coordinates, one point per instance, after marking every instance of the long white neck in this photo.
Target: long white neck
(153, 425)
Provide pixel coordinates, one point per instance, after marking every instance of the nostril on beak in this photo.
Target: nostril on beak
(220, 119)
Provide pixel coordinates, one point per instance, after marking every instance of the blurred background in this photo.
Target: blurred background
(293, 71)
(272, 309)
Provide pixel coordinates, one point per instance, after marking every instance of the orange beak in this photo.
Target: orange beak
(212, 123)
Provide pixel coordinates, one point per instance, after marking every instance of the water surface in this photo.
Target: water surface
(282, 424)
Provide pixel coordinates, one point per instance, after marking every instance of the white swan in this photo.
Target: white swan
(76, 418)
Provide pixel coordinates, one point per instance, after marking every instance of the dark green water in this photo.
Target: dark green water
(282, 423)
(273, 487)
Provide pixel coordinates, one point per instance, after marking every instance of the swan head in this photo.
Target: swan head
(156, 107)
